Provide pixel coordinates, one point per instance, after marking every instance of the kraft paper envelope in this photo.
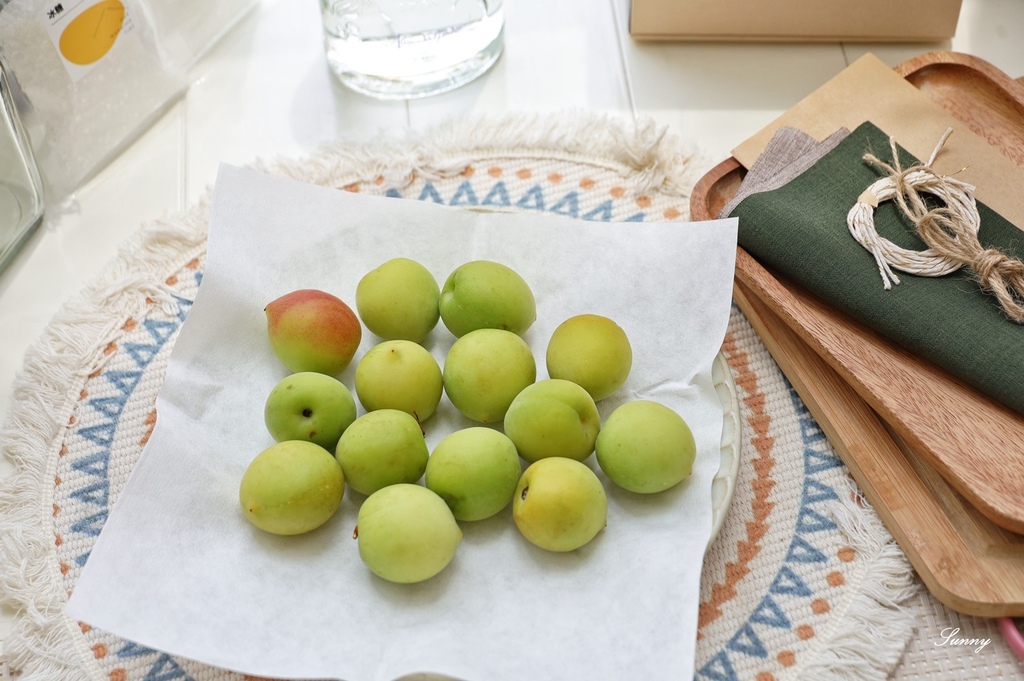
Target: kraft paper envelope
(869, 90)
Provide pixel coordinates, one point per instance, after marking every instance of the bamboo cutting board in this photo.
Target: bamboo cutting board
(945, 465)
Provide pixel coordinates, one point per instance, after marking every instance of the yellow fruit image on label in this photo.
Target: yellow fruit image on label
(91, 34)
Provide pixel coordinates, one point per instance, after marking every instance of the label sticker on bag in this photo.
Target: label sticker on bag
(85, 31)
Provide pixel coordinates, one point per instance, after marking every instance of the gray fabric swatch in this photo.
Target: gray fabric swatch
(789, 153)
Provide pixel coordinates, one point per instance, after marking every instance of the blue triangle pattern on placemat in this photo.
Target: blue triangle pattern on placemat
(429, 193)
(94, 464)
(788, 583)
(142, 353)
(101, 434)
(108, 406)
(568, 205)
(166, 669)
(464, 195)
(769, 613)
(124, 381)
(533, 199)
(90, 525)
(810, 432)
(802, 551)
(602, 213)
(95, 492)
(162, 330)
(131, 650)
(718, 668)
(817, 462)
(497, 196)
(746, 641)
(816, 492)
(810, 520)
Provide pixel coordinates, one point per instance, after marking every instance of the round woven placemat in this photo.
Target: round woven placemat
(803, 582)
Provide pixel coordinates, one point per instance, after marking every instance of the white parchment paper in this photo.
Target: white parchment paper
(178, 568)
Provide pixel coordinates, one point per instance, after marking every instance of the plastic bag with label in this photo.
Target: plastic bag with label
(89, 76)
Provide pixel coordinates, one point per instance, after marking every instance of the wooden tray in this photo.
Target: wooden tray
(945, 467)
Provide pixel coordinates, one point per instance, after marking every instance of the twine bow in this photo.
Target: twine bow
(950, 231)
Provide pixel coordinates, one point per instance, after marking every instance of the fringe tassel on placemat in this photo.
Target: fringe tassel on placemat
(43, 644)
(643, 154)
(876, 625)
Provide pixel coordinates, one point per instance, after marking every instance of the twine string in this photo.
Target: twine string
(950, 230)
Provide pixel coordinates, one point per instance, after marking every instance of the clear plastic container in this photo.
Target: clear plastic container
(21, 192)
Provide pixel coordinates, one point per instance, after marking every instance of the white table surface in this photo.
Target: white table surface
(264, 91)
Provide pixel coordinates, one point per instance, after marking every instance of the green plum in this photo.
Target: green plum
(382, 448)
(291, 487)
(484, 371)
(312, 330)
(406, 533)
(592, 351)
(399, 300)
(646, 447)
(309, 406)
(475, 470)
(559, 504)
(399, 374)
(553, 417)
(483, 294)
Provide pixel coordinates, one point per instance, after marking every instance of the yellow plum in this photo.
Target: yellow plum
(592, 351)
(559, 504)
(291, 487)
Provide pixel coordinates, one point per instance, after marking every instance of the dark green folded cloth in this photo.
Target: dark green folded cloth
(799, 231)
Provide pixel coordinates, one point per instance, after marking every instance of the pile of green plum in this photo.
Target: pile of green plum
(408, 531)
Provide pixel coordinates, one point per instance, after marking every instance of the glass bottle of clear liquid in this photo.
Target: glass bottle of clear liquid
(21, 192)
(400, 49)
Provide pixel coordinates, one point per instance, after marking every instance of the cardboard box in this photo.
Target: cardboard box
(795, 20)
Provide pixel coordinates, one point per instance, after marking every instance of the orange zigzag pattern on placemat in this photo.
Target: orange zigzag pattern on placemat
(759, 421)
